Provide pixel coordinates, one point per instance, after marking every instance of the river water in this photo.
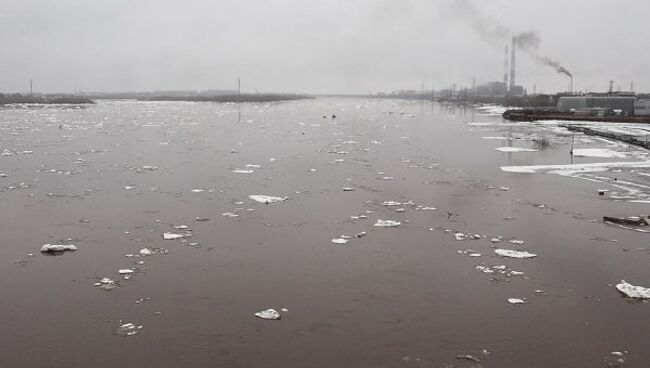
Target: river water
(113, 177)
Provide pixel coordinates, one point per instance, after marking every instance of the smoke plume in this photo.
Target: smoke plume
(497, 33)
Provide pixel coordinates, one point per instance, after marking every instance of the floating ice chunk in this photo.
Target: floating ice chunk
(172, 236)
(361, 234)
(57, 248)
(340, 241)
(253, 166)
(598, 152)
(270, 314)
(495, 240)
(242, 171)
(230, 214)
(145, 252)
(514, 253)
(106, 284)
(125, 271)
(516, 301)
(514, 149)
(475, 254)
(128, 187)
(391, 203)
(574, 168)
(518, 242)
(128, 329)
(149, 167)
(261, 198)
(460, 236)
(633, 291)
(348, 189)
(387, 223)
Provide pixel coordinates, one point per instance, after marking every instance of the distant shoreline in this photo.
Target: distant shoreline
(264, 97)
(43, 100)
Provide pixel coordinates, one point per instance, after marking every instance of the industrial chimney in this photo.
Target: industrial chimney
(512, 66)
(505, 67)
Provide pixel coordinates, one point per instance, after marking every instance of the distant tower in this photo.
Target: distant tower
(239, 86)
(31, 88)
(632, 86)
(512, 65)
(505, 67)
(611, 86)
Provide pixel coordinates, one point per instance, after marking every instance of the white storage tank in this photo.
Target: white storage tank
(642, 107)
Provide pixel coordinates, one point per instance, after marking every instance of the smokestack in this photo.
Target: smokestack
(505, 67)
(512, 65)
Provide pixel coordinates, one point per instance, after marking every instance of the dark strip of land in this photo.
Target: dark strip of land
(261, 97)
(43, 99)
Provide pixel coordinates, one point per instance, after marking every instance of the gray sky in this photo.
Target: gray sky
(347, 46)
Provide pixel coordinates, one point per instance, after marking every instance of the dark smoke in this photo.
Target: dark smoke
(497, 33)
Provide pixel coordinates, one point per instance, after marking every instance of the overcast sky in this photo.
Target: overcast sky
(326, 46)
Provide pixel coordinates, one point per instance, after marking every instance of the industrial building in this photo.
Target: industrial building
(642, 107)
(626, 104)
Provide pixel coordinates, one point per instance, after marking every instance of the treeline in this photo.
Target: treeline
(17, 98)
(257, 97)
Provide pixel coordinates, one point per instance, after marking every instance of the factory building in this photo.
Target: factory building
(642, 107)
(625, 104)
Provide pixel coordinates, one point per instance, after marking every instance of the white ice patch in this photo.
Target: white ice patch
(516, 301)
(633, 291)
(57, 248)
(598, 152)
(514, 253)
(172, 236)
(242, 171)
(270, 314)
(261, 198)
(340, 241)
(514, 149)
(128, 329)
(125, 271)
(572, 169)
(145, 252)
(387, 223)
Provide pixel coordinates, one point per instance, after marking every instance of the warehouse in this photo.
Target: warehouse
(597, 103)
(642, 107)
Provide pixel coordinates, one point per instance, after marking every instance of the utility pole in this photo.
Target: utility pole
(31, 89)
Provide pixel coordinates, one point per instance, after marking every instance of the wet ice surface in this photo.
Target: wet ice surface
(431, 289)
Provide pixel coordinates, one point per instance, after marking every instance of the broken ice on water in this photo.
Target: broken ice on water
(514, 149)
(632, 291)
(106, 284)
(57, 248)
(269, 314)
(128, 329)
(516, 301)
(514, 253)
(266, 199)
(172, 236)
(340, 241)
(387, 223)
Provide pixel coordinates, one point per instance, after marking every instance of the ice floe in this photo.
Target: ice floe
(571, 169)
(270, 314)
(128, 329)
(340, 241)
(514, 253)
(57, 248)
(516, 301)
(172, 236)
(633, 291)
(514, 149)
(387, 223)
(261, 198)
(598, 152)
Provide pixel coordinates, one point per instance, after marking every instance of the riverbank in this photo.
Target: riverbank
(261, 97)
(43, 99)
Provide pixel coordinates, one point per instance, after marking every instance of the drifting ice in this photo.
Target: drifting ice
(387, 223)
(633, 291)
(514, 253)
(57, 248)
(172, 236)
(271, 314)
(266, 199)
